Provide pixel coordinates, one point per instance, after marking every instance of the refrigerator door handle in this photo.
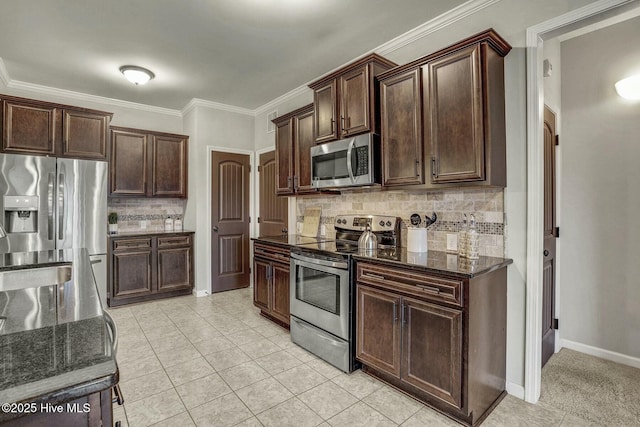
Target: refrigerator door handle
(50, 209)
(61, 207)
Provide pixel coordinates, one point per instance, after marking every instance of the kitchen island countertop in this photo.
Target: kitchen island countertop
(135, 233)
(55, 344)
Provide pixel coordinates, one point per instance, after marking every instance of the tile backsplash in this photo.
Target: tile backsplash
(154, 211)
(486, 204)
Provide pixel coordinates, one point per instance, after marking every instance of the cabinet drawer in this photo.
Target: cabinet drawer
(411, 282)
(127, 244)
(167, 242)
(275, 253)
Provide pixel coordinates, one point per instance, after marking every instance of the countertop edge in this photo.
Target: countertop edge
(148, 233)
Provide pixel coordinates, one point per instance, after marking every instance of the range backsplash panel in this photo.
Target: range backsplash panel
(486, 204)
(154, 211)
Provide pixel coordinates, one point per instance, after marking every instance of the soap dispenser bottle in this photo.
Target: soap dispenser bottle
(473, 240)
(462, 238)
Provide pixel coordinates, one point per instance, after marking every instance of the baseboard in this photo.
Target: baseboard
(602, 353)
(515, 390)
(200, 293)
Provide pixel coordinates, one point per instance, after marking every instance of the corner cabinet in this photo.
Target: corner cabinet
(271, 275)
(346, 101)
(447, 109)
(294, 139)
(147, 164)
(33, 127)
(440, 338)
(146, 267)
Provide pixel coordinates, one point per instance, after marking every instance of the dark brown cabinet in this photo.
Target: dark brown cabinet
(85, 134)
(34, 127)
(346, 101)
(294, 139)
(149, 267)
(147, 164)
(440, 338)
(271, 281)
(447, 110)
(401, 127)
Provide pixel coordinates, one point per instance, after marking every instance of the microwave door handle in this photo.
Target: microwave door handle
(349, 165)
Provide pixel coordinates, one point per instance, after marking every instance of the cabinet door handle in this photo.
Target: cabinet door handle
(433, 166)
(417, 167)
(395, 312)
(342, 123)
(332, 123)
(404, 314)
(373, 276)
(295, 183)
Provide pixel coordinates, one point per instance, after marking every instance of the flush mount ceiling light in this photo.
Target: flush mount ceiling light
(136, 75)
(629, 88)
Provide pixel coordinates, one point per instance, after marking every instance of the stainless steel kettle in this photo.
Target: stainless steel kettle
(368, 241)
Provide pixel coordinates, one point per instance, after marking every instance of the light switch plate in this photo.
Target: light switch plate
(143, 225)
(452, 242)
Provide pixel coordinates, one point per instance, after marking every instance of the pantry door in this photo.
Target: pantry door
(273, 218)
(230, 221)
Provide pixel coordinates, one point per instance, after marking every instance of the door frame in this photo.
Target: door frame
(252, 191)
(535, 37)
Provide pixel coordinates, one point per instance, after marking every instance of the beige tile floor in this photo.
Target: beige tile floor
(213, 361)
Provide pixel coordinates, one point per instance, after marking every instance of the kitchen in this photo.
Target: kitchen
(210, 126)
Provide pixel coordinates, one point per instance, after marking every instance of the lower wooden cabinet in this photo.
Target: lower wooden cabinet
(149, 267)
(271, 282)
(441, 339)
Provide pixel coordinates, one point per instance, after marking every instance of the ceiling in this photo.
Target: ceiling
(243, 53)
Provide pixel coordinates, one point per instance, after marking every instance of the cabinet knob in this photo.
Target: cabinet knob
(545, 253)
(215, 228)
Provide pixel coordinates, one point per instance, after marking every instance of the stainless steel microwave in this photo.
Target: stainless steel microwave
(350, 162)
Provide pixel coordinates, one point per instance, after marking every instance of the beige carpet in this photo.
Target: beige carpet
(597, 390)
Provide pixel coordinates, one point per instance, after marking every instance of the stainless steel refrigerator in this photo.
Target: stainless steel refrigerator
(55, 203)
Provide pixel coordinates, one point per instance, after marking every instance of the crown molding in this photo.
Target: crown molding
(198, 102)
(433, 25)
(4, 75)
(460, 12)
(271, 105)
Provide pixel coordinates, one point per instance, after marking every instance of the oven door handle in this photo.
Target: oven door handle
(335, 264)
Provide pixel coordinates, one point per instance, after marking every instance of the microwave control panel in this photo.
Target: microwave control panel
(362, 161)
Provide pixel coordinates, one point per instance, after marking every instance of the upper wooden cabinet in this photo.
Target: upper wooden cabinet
(294, 139)
(346, 101)
(147, 164)
(34, 127)
(85, 134)
(447, 110)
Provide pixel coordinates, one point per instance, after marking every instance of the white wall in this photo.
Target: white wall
(218, 128)
(599, 287)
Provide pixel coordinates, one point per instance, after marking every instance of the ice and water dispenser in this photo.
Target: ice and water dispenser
(21, 214)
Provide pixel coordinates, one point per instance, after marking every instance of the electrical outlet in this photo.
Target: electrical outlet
(452, 242)
(143, 225)
(323, 229)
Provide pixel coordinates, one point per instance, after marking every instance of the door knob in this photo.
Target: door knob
(546, 252)
(215, 228)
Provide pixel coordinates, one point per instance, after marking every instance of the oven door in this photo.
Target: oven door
(320, 293)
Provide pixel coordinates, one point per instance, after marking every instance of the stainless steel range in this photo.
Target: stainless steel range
(322, 300)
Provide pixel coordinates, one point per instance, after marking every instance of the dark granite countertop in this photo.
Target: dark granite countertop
(434, 262)
(148, 233)
(289, 240)
(55, 345)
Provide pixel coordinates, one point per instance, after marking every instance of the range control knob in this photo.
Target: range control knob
(388, 223)
(381, 223)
